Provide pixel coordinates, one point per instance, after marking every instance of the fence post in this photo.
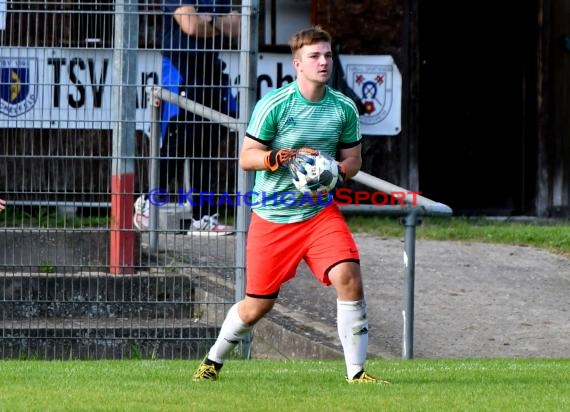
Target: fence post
(154, 169)
(410, 221)
(247, 98)
(122, 240)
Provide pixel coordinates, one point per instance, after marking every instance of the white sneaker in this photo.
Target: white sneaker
(142, 210)
(208, 225)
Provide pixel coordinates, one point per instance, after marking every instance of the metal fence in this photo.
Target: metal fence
(83, 91)
(77, 280)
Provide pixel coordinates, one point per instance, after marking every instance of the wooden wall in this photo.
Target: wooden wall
(391, 27)
(377, 27)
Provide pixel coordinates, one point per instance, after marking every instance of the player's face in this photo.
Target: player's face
(314, 62)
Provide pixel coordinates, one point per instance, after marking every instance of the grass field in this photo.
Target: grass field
(419, 385)
(532, 385)
(551, 235)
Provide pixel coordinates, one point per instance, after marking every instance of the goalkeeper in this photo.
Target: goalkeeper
(303, 114)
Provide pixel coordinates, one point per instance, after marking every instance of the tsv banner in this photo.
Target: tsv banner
(66, 88)
(73, 88)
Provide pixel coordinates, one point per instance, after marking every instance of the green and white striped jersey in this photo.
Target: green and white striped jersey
(284, 119)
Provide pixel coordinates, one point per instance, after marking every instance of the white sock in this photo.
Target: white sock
(352, 324)
(232, 331)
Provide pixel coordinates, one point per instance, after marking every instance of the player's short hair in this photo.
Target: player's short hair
(307, 37)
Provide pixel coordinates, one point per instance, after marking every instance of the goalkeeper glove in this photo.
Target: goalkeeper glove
(284, 157)
(341, 175)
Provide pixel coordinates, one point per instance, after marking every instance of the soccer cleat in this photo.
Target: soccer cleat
(363, 377)
(206, 372)
(142, 212)
(209, 225)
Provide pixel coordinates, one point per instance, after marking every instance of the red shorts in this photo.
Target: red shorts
(274, 250)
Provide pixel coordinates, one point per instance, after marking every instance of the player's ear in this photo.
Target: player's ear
(296, 62)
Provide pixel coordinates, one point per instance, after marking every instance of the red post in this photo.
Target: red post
(122, 241)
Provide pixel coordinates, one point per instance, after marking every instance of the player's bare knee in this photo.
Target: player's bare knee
(252, 310)
(346, 276)
(348, 288)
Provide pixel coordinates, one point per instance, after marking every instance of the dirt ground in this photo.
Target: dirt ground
(471, 300)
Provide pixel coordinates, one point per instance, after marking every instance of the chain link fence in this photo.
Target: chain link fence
(78, 280)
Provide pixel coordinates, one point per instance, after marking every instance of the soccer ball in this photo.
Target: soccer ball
(321, 173)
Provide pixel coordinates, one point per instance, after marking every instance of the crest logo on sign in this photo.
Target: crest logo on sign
(18, 85)
(373, 83)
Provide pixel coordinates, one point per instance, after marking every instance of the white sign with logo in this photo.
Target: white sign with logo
(378, 83)
(375, 79)
(72, 88)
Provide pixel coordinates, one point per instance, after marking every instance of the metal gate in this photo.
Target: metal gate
(77, 141)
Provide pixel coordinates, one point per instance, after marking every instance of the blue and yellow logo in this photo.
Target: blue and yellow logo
(17, 85)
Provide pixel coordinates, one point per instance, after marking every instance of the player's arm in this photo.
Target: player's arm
(253, 154)
(350, 161)
(193, 23)
(256, 155)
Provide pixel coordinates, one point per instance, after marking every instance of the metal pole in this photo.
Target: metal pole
(410, 221)
(122, 237)
(154, 172)
(248, 80)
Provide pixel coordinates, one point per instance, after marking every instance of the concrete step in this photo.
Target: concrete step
(54, 250)
(105, 338)
(32, 295)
